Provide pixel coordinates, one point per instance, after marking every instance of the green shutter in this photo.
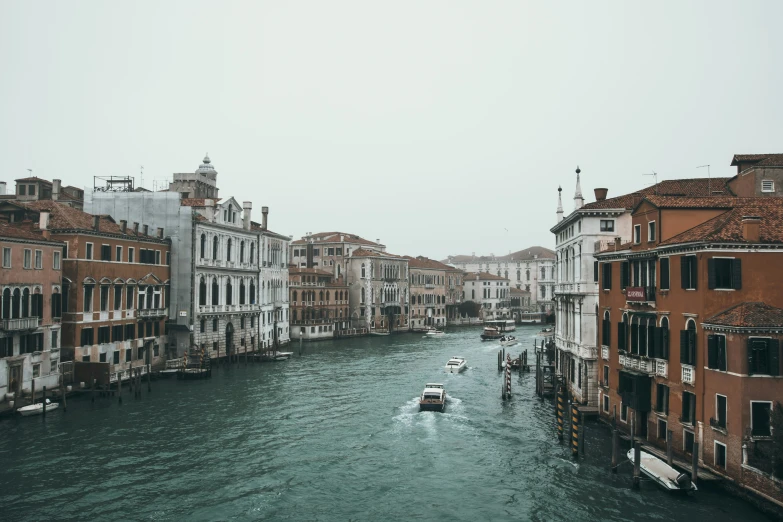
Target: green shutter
(621, 336)
(634, 338)
(694, 271)
(774, 357)
(664, 273)
(684, 271)
(692, 346)
(711, 273)
(665, 343)
(750, 357)
(736, 273)
(683, 346)
(712, 351)
(657, 347)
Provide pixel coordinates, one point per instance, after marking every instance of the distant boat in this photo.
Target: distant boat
(508, 340)
(432, 332)
(37, 409)
(456, 365)
(433, 398)
(665, 475)
(379, 332)
(490, 333)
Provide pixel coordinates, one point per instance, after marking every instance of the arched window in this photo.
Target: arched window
(214, 247)
(242, 292)
(338, 270)
(215, 291)
(362, 295)
(293, 295)
(527, 275)
(229, 290)
(17, 303)
(327, 296)
(252, 292)
(228, 250)
(241, 251)
(149, 296)
(321, 296)
(203, 245)
(363, 271)
(7, 303)
(294, 316)
(543, 273)
(252, 253)
(662, 351)
(26, 303)
(202, 292)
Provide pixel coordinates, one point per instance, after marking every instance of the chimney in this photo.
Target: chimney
(95, 222)
(264, 214)
(637, 198)
(2, 188)
(247, 206)
(617, 243)
(136, 228)
(342, 237)
(751, 228)
(600, 194)
(123, 225)
(56, 184)
(145, 229)
(160, 232)
(43, 220)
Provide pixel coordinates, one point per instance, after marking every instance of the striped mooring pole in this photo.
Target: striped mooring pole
(560, 413)
(508, 375)
(575, 427)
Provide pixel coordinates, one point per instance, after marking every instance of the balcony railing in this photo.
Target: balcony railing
(429, 285)
(719, 424)
(605, 353)
(640, 294)
(152, 312)
(688, 375)
(661, 368)
(21, 323)
(640, 364)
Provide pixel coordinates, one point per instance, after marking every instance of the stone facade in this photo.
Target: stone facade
(428, 287)
(492, 293)
(378, 291)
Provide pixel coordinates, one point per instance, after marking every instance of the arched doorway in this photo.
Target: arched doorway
(229, 339)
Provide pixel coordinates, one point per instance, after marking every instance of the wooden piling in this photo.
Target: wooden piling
(637, 462)
(44, 402)
(615, 449)
(581, 433)
(695, 463)
(149, 378)
(62, 392)
(669, 447)
(32, 392)
(576, 430)
(559, 410)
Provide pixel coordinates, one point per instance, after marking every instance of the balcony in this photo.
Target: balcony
(605, 353)
(575, 288)
(152, 312)
(429, 285)
(662, 368)
(718, 424)
(688, 374)
(22, 323)
(637, 363)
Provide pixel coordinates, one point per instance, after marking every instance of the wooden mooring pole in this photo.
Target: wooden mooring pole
(575, 430)
(637, 461)
(43, 400)
(669, 447)
(581, 433)
(62, 392)
(695, 463)
(615, 449)
(32, 392)
(560, 410)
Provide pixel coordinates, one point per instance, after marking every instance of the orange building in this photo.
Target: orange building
(318, 304)
(691, 317)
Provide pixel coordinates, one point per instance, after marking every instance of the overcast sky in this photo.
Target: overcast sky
(438, 127)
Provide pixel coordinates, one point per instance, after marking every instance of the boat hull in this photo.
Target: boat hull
(660, 472)
(456, 369)
(432, 406)
(27, 411)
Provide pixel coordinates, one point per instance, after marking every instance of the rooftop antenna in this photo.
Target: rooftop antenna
(654, 174)
(141, 183)
(31, 172)
(709, 179)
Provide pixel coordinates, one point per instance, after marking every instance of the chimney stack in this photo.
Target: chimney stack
(264, 214)
(247, 207)
(600, 194)
(135, 228)
(617, 243)
(56, 185)
(160, 232)
(96, 222)
(43, 220)
(123, 225)
(751, 226)
(637, 198)
(145, 229)
(2, 188)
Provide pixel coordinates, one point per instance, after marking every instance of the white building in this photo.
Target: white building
(491, 292)
(378, 295)
(531, 269)
(274, 284)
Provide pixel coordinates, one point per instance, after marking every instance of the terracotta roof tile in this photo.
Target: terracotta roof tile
(483, 276)
(693, 202)
(766, 160)
(334, 237)
(693, 187)
(749, 315)
(34, 178)
(426, 263)
(519, 291)
(526, 254)
(303, 270)
(22, 230)
(361, 252)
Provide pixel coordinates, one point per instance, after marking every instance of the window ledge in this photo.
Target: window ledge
(661, 414)
(690, 289)
(724, 289)
(724, 431)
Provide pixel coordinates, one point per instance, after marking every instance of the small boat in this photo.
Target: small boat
(433, 398)
(379, 332)
(432, 332)
(456, 365)
(508, 340)
(37, 409)
(491, 333)
(665, 475)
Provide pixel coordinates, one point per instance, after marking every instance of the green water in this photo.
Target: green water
(333, 434)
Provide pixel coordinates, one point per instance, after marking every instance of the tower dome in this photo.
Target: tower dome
(207, 168)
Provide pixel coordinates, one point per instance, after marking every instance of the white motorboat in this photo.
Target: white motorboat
(432, 332)
(663, 474)
(456, 365)
(433, 398)
(508, 340)
(37, 409)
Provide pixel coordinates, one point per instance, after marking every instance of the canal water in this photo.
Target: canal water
(333, 434)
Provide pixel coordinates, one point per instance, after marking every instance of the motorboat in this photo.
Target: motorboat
(37, 409)
(661, 473)
(432, 332)
(456, 365)
(433, 398)
(508, 340)
(490, 334)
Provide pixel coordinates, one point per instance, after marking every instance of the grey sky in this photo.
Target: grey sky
(433, 126)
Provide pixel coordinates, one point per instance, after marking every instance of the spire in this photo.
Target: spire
(579, 201)
(559, 204)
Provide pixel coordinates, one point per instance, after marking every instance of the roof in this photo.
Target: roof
(22, 230)
(526, 254)
(303, 270)
(259, 228)
(714, 202)
(766, 160)
(483, 276)
(334, 237)
(362, 252)
(34, 178)
(519, 291)
(693, 187)
(196, 202)
(426, 263)
(749, 315)
(727, 227)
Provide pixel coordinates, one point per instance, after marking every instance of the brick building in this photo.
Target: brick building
(329, 250)
(428, 287)
(30, 307)
(318, 304)
(690, 328)
(454, 293)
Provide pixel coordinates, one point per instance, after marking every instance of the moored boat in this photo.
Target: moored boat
(663, 474)
(433, 398)
(456, 365)
(37, 408)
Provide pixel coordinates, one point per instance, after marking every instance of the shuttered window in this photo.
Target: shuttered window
(688, 272)
(716, 352)
(625, 274)
(763, 356)
(688, 347)
(606, 335)
(621, 336)
(664, 273)
(724, 273)
(606, 284)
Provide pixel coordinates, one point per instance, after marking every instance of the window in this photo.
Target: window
(214, 324)
(760, 425)
(716, 352)
(118, 254)
(664, 273)
(116, 357)
(606, 375)
(87, 336)
(54, 338)
(104, 298)
(168, 260)
(651, 231)
(763, 356)
(22, 190)
(606, 403)
(607, 225)
(88, 298)
(662, 399)
(27, 257)
(116, 333)
(724, 273)
(687, 441)
(660, 349)
(38, 259)
(6, 257)
(688, 344)
(623, 412)
(688, 272)
(202, 326)
(88, 253)
(767, 185)
(363, 271)
(131, 257)
(637, 234)
(316, 251)
(117, 297)
(720, 455)
(606, 283)
(103, 334)
(128, 354)
(129, 298)
(606, 337)
(130, 332)
(105, 252)
(157, 257)
(56, 261)
(31, 190)
(720, 412)
(688, 408)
